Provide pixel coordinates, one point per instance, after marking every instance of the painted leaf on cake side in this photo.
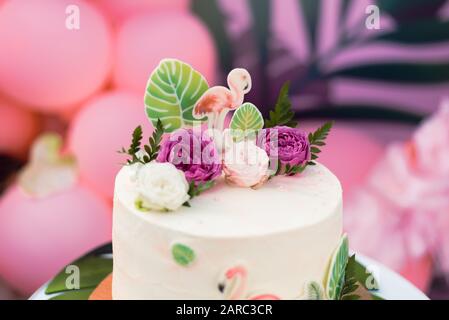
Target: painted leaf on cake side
(336, 273)
(171, 93)
(183, 254)
(246, 119)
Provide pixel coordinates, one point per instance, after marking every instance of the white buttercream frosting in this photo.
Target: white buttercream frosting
(283, 233)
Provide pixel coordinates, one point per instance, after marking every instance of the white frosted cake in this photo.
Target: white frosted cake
(282, 234)
(243, 212)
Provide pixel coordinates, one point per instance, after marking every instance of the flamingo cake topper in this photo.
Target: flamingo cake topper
(217, 101)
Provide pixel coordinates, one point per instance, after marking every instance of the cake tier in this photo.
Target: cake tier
(244, 243)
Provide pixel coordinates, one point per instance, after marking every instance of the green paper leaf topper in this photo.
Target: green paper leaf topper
(247, 118)
(183, 254)
(172, 91)
(336, 273)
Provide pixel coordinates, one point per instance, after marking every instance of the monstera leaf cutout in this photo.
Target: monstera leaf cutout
(336, 274)
(246, 119)
(171, 93)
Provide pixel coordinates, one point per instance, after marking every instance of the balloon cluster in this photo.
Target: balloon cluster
(80, 66)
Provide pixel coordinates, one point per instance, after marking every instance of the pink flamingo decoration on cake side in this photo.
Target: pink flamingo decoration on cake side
(234, 283)
(216, 102)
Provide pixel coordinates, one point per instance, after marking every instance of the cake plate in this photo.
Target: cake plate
(95, 274)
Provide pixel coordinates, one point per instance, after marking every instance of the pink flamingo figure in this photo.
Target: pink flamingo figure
(216, 102)
(234, 283)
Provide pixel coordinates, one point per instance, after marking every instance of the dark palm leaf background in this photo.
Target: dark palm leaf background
(336, 55)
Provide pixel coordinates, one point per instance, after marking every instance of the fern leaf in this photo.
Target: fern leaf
(282, 115)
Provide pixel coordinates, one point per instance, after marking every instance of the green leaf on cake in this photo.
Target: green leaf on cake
(171, 93)
(314, 291)
(92, 270)
(183, 254)
(356, 270)
(336, 273)
(246, 119)
(74, 295)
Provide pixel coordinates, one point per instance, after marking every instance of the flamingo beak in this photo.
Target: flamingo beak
(221, 287)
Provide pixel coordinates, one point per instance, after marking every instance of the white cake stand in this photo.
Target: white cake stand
(392, 285)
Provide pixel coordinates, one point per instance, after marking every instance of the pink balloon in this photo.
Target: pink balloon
(349, 153)
(39, 236)
(46, 65)
(145, 39)
(119, 10)
(99, 130)
(18, 128)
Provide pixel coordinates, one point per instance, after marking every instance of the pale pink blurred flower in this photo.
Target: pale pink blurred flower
(431, 142)
(402, 212)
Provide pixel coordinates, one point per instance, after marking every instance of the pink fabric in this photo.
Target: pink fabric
(402, 212)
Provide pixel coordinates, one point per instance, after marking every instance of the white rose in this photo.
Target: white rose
(161, 186)
(245, 164)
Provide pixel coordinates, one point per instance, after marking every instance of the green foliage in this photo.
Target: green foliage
(151, 149)
(359, 272)
(282, 115)
(246, 120)
(314, 291)
(317, 140)
(195, 189)
(74, 295)
(294, 170)
(349, 287)
(92, 271)
(172, 91)
(134, 148)
(356, 276)
(337, 270)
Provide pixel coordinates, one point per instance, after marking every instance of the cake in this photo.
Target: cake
(282, 236)
(244, 212)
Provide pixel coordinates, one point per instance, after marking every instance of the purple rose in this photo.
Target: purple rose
(192, 152)
(290, 145)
